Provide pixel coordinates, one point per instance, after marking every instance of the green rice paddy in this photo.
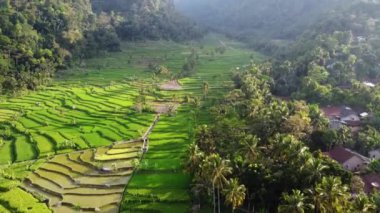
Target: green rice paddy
(67, 146)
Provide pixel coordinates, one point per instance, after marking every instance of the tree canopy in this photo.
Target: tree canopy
(39, 37)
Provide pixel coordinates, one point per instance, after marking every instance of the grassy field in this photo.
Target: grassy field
(90, 107)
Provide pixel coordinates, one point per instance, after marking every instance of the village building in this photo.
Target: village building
(349, 159)
(340, 115)
(348, 115)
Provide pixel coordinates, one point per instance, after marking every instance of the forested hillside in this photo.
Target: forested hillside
(147, 19)
(256, 19)
(255, 153)
(324, 62)
(37, 37)
(319, 46)
(333, 56)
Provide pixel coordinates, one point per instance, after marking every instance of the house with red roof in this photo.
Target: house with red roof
(340, 115)
(331, 111)
(349, 159)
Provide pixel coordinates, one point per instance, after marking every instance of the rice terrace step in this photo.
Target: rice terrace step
(91, 180)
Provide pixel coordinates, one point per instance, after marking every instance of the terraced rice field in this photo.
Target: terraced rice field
(14, 199)
(71, 119)
(90, 180)
(79, 127)
(160, 183)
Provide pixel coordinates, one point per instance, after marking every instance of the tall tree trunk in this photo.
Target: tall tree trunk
(249, 200)
(218, 200)
(213, 197)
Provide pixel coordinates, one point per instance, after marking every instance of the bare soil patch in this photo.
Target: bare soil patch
(171, 85)
(165, 107)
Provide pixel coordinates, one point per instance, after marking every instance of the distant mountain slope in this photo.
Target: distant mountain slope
(332, 56)
(275, 18)
(127, 6)
(151, 19)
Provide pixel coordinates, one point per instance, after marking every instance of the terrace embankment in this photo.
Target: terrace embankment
(92, 180)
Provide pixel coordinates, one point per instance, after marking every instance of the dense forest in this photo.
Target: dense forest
(261, 24)
(259, 151)
(268, 134)
(150, 20)
(331, 60)
(38, 37)
(317, 49)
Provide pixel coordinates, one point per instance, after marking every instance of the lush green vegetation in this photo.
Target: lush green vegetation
(160, 183)
(102, 110)
(14, 199)
(160, 178)
(257, 138)
(76, 118)
(334, 62)
(149, 20)
(38, 37)
(330, 61)
(137, 123)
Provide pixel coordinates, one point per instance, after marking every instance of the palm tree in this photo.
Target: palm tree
(287, 148)
(205, 139)
(363, 204)
(344, 136)
(235, 193)
(249, 149)
(216, 169)
(294, 203)
(331, 196)
(195, 157)
(315, 169)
